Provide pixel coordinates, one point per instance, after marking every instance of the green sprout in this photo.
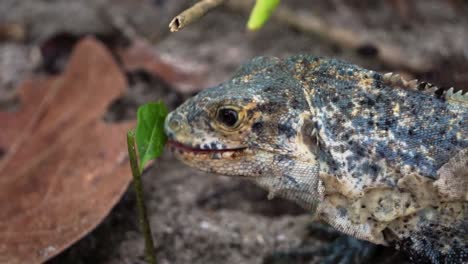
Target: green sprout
(150, 140)
(261, 13)
(150, 137)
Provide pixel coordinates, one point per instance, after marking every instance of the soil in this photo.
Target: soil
(202, 218)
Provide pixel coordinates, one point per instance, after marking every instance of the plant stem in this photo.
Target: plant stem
(260, 13)
(143, 218)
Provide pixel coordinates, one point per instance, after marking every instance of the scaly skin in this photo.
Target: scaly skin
(375, 156)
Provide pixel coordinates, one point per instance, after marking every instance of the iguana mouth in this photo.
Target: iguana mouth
(207, 149)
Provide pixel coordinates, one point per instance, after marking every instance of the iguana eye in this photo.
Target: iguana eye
(228, 117)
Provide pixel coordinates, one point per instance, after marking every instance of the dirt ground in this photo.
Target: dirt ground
(202, 218)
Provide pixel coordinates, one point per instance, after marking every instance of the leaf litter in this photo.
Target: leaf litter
(63, 167)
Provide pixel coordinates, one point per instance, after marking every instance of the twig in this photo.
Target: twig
(390, 55)
(193, 14)
(143, 218)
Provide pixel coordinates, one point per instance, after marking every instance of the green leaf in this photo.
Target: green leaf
(150, 137)
(261, 13)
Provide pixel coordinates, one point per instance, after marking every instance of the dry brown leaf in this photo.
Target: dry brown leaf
(140, 55)
(63, 168)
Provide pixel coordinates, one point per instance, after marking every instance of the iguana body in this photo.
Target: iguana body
(378, 158)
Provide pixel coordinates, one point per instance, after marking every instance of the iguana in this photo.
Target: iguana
(375, 156)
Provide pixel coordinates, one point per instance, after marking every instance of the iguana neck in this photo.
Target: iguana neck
(300, 182)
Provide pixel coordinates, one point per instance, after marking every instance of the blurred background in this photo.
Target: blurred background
(198, 217)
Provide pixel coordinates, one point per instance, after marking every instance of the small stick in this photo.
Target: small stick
(143, 218)
(193, 14)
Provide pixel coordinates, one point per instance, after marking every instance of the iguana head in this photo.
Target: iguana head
(254, 125)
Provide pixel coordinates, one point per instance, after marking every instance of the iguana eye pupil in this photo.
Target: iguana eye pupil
(227, 116)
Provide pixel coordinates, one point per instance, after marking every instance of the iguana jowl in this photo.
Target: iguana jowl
(377, 157)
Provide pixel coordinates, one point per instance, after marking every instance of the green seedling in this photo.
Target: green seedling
(150, 140)
(261, 13)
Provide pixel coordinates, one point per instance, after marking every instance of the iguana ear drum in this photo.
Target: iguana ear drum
(309, 134)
